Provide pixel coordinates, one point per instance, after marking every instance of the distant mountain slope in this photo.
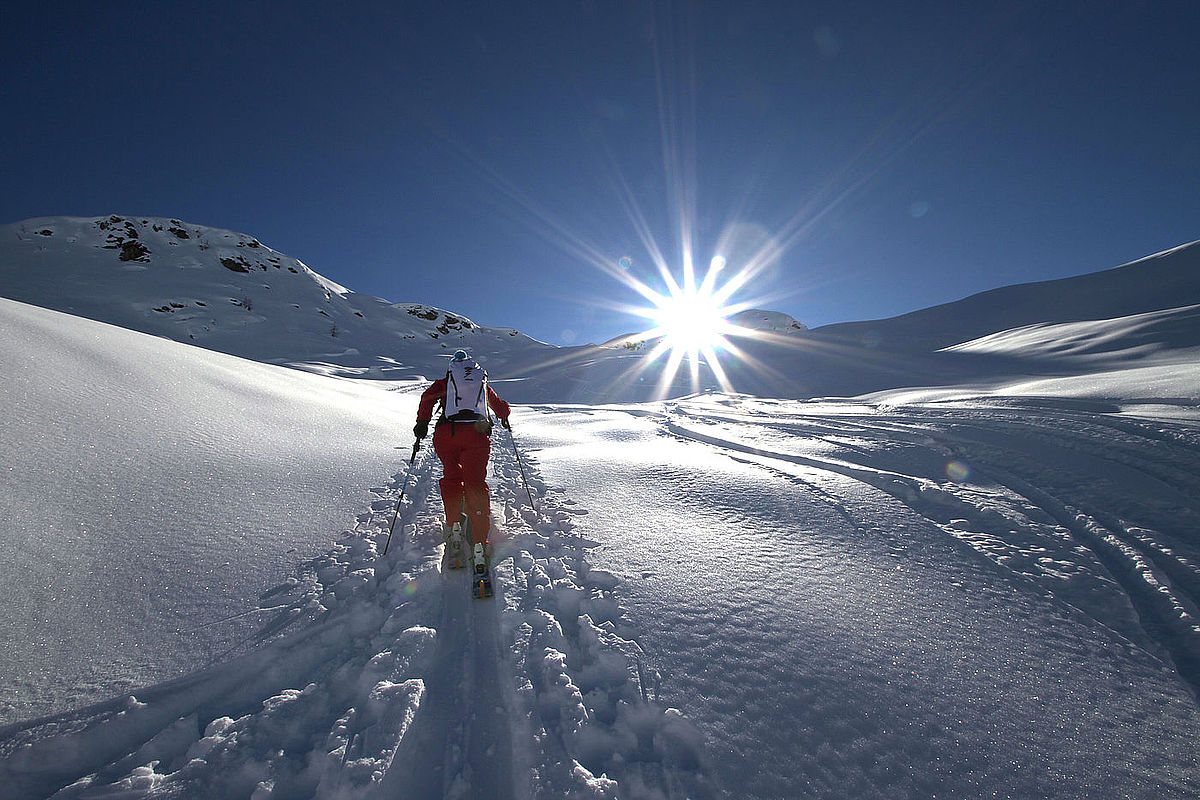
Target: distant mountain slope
(1132, 336)
(228, 292)
(1169, 279)
(757, 319)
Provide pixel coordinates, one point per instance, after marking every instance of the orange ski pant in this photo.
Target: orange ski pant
(464, 451)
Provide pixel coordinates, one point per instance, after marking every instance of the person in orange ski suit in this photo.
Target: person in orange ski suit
(462, 440)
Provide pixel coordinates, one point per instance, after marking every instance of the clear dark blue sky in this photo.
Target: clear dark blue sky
(481, 156)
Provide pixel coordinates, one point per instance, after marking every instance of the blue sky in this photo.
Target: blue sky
(500, 159)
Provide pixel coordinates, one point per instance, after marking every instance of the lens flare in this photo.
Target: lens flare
(958, 472)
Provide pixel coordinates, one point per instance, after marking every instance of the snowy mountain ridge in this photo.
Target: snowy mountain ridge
(1163, 280)
(228, 292)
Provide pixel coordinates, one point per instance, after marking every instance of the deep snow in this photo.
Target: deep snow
(983, 589)
(842, 618)
(150, 491)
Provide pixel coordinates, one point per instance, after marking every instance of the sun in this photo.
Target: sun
(691, 321)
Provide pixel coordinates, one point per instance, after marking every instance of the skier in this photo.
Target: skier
(462, 440)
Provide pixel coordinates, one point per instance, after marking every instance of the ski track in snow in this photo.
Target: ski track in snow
(1036, 635)
(844, 600)
(380, 676)
(1151, 559)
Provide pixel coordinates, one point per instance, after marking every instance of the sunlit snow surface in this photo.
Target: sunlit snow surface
(150, 491)
(952, 594)
(841, 619)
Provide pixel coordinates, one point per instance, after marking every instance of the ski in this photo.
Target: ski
(481, 573)
(456, 545)
(459, 553)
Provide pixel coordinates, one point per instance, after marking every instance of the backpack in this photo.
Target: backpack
(466, 391)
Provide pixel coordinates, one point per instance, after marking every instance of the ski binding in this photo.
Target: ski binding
(481, 578)
(456, 545)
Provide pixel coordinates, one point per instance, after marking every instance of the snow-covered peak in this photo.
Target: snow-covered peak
(756, 319)
(229, 292)
(137, 241)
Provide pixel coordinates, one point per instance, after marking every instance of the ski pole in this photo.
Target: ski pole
(522, 468)
(403, 489)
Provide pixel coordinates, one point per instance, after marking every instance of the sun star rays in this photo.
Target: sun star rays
(690, 326)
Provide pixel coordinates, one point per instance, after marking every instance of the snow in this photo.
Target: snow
(761, 320)
(151, 490)
(841, 620)
(228, 292)
(980, 579)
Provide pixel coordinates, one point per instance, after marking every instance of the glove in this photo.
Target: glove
(504, 422)
(421, 430)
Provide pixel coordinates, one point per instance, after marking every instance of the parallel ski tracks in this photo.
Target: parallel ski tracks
(1152, 557)
(462, 742)
(1166, 608)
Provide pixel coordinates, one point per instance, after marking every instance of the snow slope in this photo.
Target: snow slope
(855, 600)
(720, 596)
(228, 292)
(204, 485)
(952, 589)
(151, 489)
(1168, 279)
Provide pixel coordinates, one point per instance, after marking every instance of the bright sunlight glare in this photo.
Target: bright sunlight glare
(691, 321)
